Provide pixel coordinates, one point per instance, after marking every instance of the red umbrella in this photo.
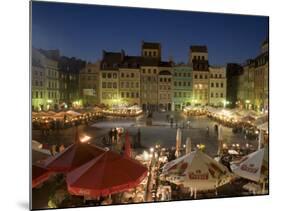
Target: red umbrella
(107, 174)
(73, 156)
(39, 175)
(128, 150)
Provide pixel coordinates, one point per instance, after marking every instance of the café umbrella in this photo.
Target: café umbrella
(104, 175)
(39, 175)
(251, 166)
(197, 171)
(73, 156)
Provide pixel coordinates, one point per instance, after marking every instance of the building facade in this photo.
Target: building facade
(198, 58)
(109, 78)
(217, 86)
(182, 86)
(129, 81)
(89, 84)
(165, 84)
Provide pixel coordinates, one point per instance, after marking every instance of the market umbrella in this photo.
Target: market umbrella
(73, 113)
(197, 171)
(178, 142)
(39, 175)
(128, 150)
(104, 175)
(252, 166)
(73, 156)
(188, 145)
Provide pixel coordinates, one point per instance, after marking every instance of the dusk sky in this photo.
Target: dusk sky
(84, 31)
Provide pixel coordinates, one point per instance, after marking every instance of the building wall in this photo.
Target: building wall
(200, 84)
(109, 87)
(149, 87)
(182, 86)
(217, 86)
(89, 84)
(165, 93)
(129, 86)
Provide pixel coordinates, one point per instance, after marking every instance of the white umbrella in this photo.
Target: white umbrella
(197, 171)
(188, 145)
(74, 113)
(178, 142)
(250, 166)
(220, 138)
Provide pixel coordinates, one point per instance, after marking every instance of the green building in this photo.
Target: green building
(182, 87)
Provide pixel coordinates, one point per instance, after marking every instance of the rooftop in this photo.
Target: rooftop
(199, 48)
(151, 45)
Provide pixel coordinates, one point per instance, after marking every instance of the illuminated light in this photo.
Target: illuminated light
(224, 146)
(247, 101)
(256, 132)
(85, 139)
(49, 101)
(151, 149)
(247, 145)
(145, 155)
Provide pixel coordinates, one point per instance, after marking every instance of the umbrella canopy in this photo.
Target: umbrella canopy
(197, 170)
(188, 145)
(72, 157)
(251, 166)
(128, 150)
(107, 174)
(39, 175)
(178, 142)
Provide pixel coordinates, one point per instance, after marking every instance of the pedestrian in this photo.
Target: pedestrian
(115, 134)
(61, 148)
(110, 135)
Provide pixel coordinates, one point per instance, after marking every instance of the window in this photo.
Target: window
(109, 75)
(165, 79)
(175, 83)
(179, 94)
(122, 94)
(221, 94)
(103, 75)
(188, 74)
(122, 84)
(137, 84)
(114, 75)
(212, 94)
(179, 74)
(184, 83)
(149, 53)
(200, 76)
(143, 71)
(175, 94)
(189, 84)
(220, 76)
(179, 83)
(114, 85)
(137, 95)
(132, 84)
(184, 94)
(195, 76)
(161, 79)
(35, 72)
(103, 84)
(216, 75)
(154, 71)
(184, 74)
(122, 75)
(217, 84)
(132, 75)
(203, 57)
(41, 83)
(212, 84)
(149, 71)
(176, 74)
(36, 83)
(169, 80)
(145, 53)
(36, 94)
(154, 53)
(89, 70)
(206, 77)
(132, 95)
(127, 84)
(221, 85)
(127, 95)
(217, 95)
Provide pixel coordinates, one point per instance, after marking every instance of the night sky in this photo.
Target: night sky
(84, 31)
